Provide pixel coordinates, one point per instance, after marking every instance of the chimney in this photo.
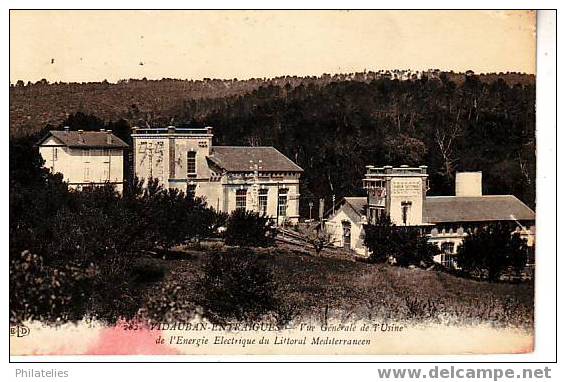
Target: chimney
(81, 137)
(66, 129)
(468, 184)
(108, 136)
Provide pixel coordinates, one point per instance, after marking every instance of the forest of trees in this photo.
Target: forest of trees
(331, 126)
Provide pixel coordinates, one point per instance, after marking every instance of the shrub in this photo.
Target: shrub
(147, 271)
(404, 245)
(249, 229)
(490, 250)
(237, 286)
(316, 236)
(49, 294)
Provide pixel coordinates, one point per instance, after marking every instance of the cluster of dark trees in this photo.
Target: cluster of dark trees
(399, 245)
(76, 254)
(492, 250)
(334, 131)
(487, 253)
(34, 105)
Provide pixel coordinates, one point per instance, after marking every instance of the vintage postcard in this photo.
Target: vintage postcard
(272, 182)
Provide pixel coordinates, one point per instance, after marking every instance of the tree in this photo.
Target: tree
(316, 236)
(490, 250)
(401, 245)
(237, 286)
(249, 229)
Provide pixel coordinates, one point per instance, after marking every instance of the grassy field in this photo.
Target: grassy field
(319, 288)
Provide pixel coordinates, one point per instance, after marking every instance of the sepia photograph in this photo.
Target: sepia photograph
(272, 182)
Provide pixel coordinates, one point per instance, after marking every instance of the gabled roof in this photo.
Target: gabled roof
(353, 206)
(237, 159)
(357, 203)
(86, 139)
(448, 209)
(454, 209)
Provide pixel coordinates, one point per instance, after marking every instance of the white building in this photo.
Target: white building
(446, 220)
(259, 179)
(85, 158)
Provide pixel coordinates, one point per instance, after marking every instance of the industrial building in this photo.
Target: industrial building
(401, 193)
(259, 179)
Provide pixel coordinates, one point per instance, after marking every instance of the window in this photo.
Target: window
(191, 190)
(282, 202)
(263, 201)
(106, 174)
(241, 196)
(447, 257)
(191, 162)
(86, 174)
(405, 207)
(447, 248)
(375, 214)
(54, 153)
(449, 261)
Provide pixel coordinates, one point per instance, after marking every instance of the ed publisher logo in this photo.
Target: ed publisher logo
(19, 331)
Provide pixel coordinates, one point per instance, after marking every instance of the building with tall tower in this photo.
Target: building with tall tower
(401, 193)
(259, 179)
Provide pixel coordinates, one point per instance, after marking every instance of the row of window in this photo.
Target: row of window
(96, 152)
(376, 213)
(242, 196)
(105, 175)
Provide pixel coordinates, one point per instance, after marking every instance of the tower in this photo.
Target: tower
(396, 191)
(174, 156)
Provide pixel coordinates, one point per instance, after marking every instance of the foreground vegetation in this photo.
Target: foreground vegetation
(309, 287)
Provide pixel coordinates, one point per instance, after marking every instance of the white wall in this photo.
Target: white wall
(406, 189)
(335, 228)
(232, 183)
(82, 167)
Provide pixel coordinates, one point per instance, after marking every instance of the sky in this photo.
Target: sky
(82, 46)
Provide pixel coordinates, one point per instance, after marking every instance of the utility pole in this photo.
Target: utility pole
(255, 167)
(277, 203)
(333, 203)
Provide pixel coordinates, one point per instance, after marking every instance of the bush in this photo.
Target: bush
(237, 286)
(49, 294)
(249, 229)
(147, 271)
(491, 250)
(402, 245)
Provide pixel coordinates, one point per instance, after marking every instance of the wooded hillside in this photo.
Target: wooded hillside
(332, 126)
